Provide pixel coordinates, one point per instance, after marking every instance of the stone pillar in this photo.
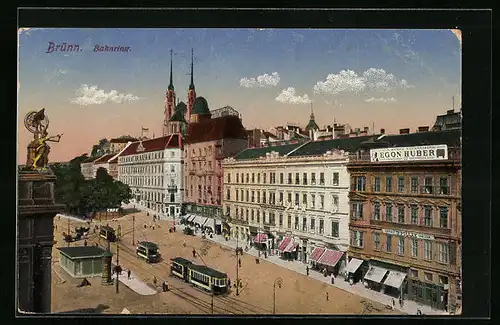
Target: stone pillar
(35, 237)
(106, 268)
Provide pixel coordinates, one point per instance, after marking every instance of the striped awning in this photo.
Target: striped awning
(260, 238)
(290, 247)
(203, 221)
(284, 243)
(316, 253)
(330, 257)
(191, 217)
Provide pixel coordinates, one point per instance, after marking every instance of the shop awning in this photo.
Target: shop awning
(203, 220)
(284, 243)
(260, 238)
(353, 265)
(375, 274)
(191, 217)
(290, 247)
(330, 257)
(196, 219)
(395, 279)
(316, 253)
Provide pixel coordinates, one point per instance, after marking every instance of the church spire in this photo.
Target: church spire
(312, 112)
(171, 85)
(191, 86)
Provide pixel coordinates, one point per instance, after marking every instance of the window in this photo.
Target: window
(376, 240)
(281, 178)
(281, 198)
(443, 217)
(172, 197)
(401, 213)
(376, 211)
(264, 176)
(304, 199)
(313, 178)
(388, 184)
(443, 186)
(313, 224)
(388, 212)
(313, 201)
(289, 178)
(289, 222)
(428, 276)
(264, 199)
(359, 183)
(297, 178)
(335, 179)
(401, 245)
(413, 273)
(253, 215)
(296, 224)
(321, 201)
(228, 177)
(414, 215)
(427, 250)
(247, 178)
(335, 200)
(304, 178)
(258, 216)
(357, 239)
(322, 178)
(258, 196)
(258, 178)
(357, 211)
(321, 226)
(172, 168)
(228, 194)
(335, 229)
(376, 184)
(281, 220)
(253, 178)
(296, 198)
(401, 184)
(428, 188)
(304, 224)
(289, 197)
(247, 196)
(414, 247)
(443, 279)
(444, 250)
(427, 216)
(414, 184)
(253, 196)
(388, 247)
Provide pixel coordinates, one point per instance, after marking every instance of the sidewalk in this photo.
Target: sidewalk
(134, 284)
(409, 307)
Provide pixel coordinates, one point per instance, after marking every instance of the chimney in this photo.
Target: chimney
(404, 131)
(450, 111)
(382, 131)
(423, 129)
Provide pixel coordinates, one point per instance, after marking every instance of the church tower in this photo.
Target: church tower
(191, 93)
(169, 100)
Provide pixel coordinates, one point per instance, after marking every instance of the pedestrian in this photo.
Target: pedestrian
(307, 270)
(401, 302)
(154, 281)
(393, 304)
(419, 312)
(194, 253)
(153, 227)
(85, 243)
(145, 226)
(128, 274)
(229, 283)
(239, 262)
(327, 296)
(333, 279)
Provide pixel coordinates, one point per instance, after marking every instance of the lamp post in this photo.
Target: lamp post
(237, 267)
(133, 230)
(118, 268)
(279, 282)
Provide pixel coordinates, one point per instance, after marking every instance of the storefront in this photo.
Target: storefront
(394, 282)
(328, 262)
(430, 294)
(288, 248)
(355, 270)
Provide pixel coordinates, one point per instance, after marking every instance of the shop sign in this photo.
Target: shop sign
(404, 233)
(435, 152)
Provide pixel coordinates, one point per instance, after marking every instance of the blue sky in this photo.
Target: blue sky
(371, 89)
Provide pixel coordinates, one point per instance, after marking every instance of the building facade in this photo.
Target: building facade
(405, 220)
(153, 170)
(87, 167)
(209, 141)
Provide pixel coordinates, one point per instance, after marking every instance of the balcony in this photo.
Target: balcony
(435, 190)
(172, 188)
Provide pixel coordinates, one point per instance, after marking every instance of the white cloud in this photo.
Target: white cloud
(381, 100)
(265, 80)
(348, 81)
(287, 96)
(94, 96)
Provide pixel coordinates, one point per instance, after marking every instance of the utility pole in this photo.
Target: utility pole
(68, 232)
(237, 266)
(118, 258)
(133, 230)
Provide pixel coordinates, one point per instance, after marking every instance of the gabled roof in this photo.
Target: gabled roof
(170, 141)
(253, 153)
(225, 127)
(104, 159)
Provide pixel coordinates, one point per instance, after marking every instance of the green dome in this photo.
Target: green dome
(201, 106)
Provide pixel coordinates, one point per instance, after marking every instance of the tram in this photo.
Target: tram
(148, 251)
(179, 268)
(107, 233)
(200, 276)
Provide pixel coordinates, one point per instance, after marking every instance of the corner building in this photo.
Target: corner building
(405, 217)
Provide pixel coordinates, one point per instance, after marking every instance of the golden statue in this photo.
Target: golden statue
(38, 150)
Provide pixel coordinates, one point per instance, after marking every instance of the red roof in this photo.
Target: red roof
(225, 127)
(284, 243)
(104, 159)
(170, 141)
(316, 253)
(330, 257)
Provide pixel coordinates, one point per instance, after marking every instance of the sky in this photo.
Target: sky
(389, 79)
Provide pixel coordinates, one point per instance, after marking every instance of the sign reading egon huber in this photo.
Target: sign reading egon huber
(435, 152)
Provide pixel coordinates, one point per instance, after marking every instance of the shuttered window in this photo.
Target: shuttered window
(453, 253)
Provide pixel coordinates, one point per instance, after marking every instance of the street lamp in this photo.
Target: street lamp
(278, 281)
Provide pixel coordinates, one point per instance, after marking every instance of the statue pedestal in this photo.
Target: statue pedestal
(35, 237)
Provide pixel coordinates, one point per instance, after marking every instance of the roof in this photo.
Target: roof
(114, 160)
(170, 141)
(200, 106)
(315, 148)
(148, 244)
(180, 111)
(91, 159)
(269, 134)
(208, 271)
(448, 121)
(123, 139)
(82, 251)
(312, 125)
(104, 159)
(181, 260)
(253, 153)
(452, 138)
(225, 127)
(107, 228)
